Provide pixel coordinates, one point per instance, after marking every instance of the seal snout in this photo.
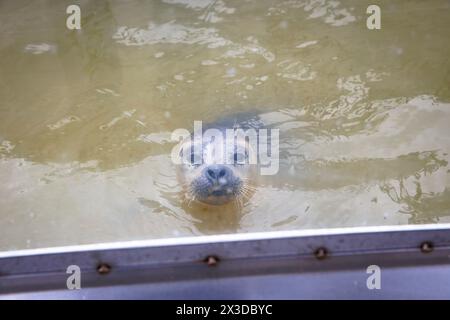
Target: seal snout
(218, 174)
(217, 184)
(221, 180)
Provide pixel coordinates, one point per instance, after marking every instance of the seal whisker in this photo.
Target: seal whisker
(249, 189)
(190, 201)
(244, 193)
(239, 203)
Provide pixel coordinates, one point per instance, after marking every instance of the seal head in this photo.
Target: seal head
(214, 174)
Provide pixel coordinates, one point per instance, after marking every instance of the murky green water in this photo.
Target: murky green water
(86, 116)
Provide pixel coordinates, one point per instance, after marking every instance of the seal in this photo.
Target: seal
(217, 171)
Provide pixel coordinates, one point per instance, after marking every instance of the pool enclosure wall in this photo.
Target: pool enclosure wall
(402, 262)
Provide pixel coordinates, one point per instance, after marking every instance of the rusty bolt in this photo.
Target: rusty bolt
(211, 261)
(321, 253)
(426, 247)
(103, 268)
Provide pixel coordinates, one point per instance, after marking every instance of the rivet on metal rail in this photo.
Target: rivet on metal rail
(426, 247)
(211, 261)
(321, 253)
(103, 268)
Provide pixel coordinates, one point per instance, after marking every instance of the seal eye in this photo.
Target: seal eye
(195, 159)
(239, 158)
(192, 158)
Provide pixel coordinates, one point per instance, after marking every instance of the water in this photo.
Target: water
(86, 116)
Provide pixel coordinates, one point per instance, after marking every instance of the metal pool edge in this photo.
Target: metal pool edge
(287, 254)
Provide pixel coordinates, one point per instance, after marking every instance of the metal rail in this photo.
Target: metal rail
(325, 263)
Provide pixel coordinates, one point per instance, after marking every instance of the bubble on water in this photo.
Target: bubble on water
(247, 66)
(169, 32)
(6, 146)
(40, 48)
(125, 114)
(275, 11)
(399, 51)
(159, 54)
(231, 72)
(208, 62)
(179, 77)
(373, 76)
(128, 113)
(210, 17)
(296, 70)
(174, 33)
(240, 51)
(307, 44)
(211, 9)
(63, 122)
(141, 123)
(252, 39)
(284, 24)
(110, 91)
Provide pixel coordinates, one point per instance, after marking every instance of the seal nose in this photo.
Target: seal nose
(217, 173)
